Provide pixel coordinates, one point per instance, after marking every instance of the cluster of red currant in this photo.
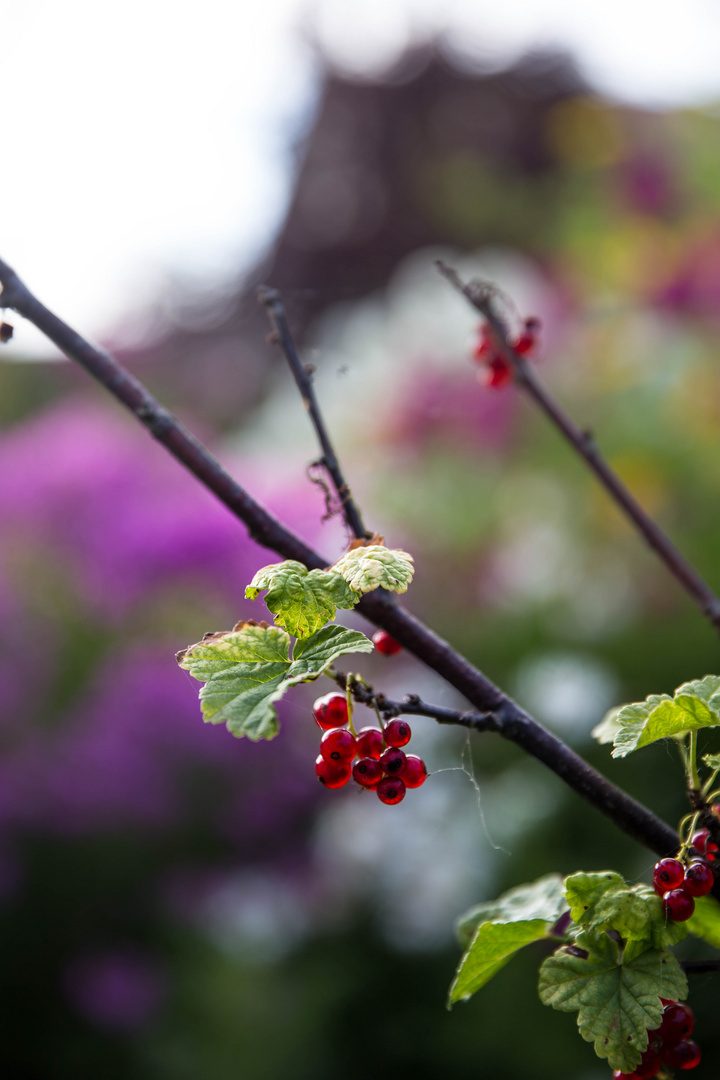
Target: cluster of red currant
(379, 763)
(670, 1044)
(679, 884)
(497, 371)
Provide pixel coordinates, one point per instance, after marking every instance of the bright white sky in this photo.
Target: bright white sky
(149, 140)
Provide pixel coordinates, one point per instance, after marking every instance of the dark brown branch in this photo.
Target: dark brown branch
(303, 377)
(379, 607)
(481, 296)
(412, 705)
(699, 967)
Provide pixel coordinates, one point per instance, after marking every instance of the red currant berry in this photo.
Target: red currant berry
(683, 1055)
(485, 346)
(385, 644)
(699, 879)
(391, 790)
(393, 761)
(498, 373)
(700, 839)
(668, 874)
(414, 774)
(333, 774)
(677, 1024)
(370, 742)
(679, 905)
(397, 733)
(650, 1065)
(527, 341)
(367, 772)
(617, 1075)
(338, 745)
(331, 711)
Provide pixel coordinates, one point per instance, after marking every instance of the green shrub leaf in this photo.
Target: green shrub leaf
(705, 921)
(695, 705)
(249, 668)
(635, 912)
(302, 601)
(616, 994)
(542, 899)
(375, 567)
(493, 944)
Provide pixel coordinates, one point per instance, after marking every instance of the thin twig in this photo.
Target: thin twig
(413, 705)
(303, 377)
(380, 607)
(481, 296)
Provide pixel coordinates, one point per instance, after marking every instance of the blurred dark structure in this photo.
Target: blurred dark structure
(378, 177)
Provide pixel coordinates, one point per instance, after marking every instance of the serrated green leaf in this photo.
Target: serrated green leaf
(248, 669)
(375, 567)
(493, 944)
(585, 891)
(302, 601)
(542, 899)
(635, 912)
(712, 760)
(617, 997)
(705, 921)
(608, 727)
(661, 717)
(707, 689)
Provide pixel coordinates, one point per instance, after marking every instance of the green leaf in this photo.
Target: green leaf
(603, 900)
(302, 601)
(492, 946)
(705, 921)
(249, 668)
(608, 727)
(542, 899)
(375, 567)
(712, 761)
(661, 717)
(616, 996)
(707, 689)
(585, 891)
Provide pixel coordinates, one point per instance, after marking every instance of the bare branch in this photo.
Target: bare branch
(380, 607)
(303, 377)
(700, 967)
(481, 296)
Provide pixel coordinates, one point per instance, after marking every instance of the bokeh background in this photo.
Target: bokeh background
(175, 903)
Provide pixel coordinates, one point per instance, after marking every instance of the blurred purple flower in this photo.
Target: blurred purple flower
(647, 184)
(118, 990)
(438, 405)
